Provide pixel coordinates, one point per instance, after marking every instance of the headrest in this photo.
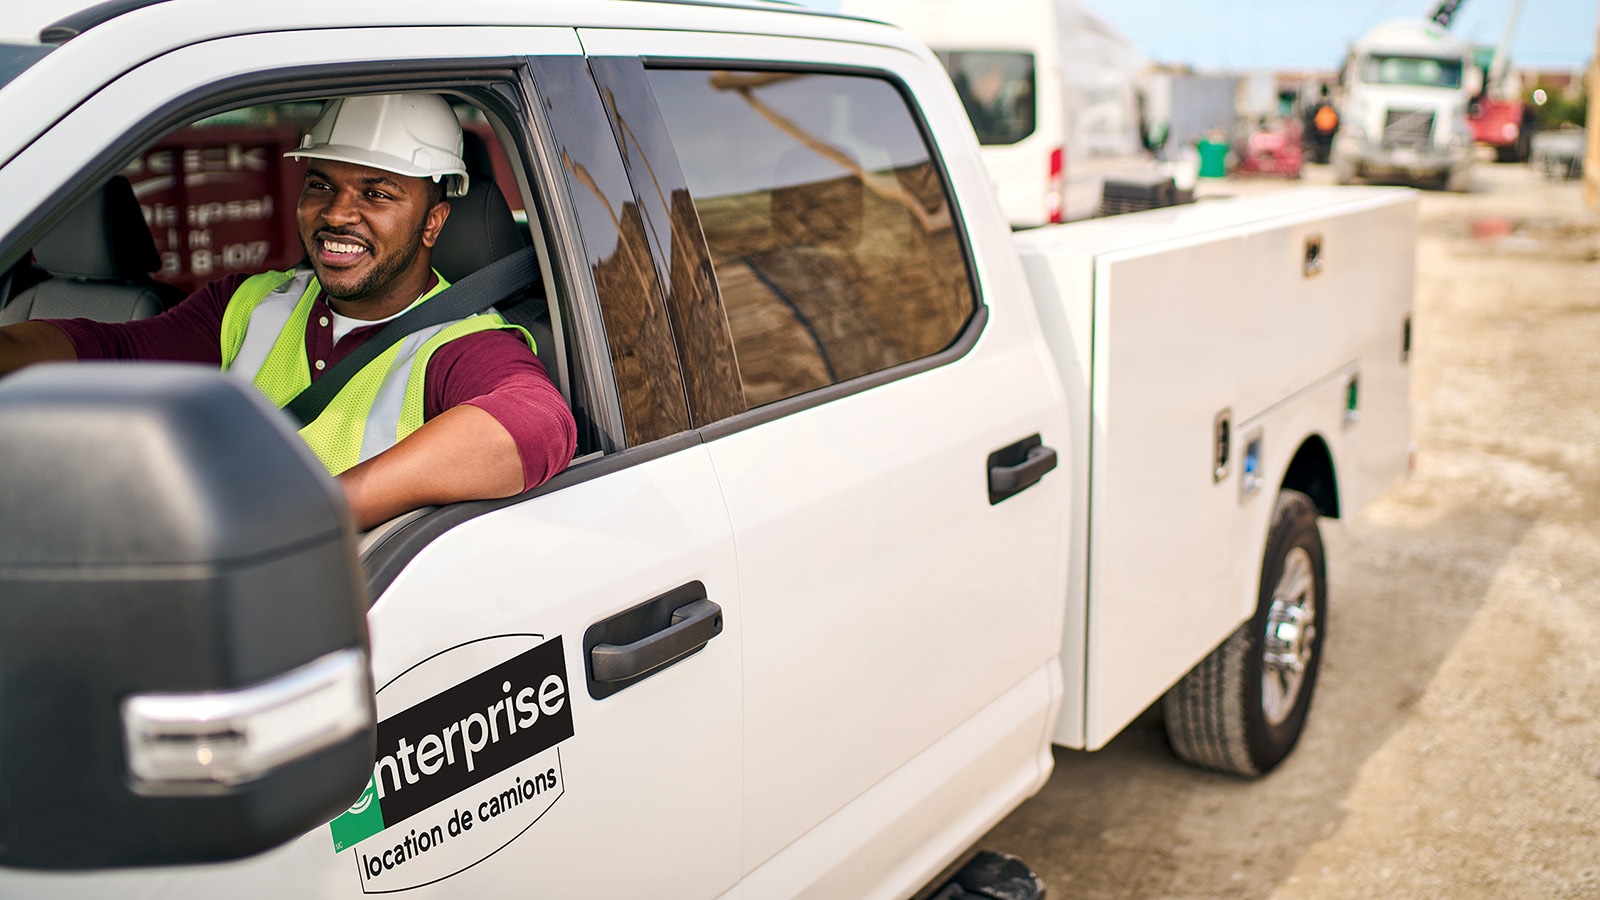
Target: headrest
(820, 202)
(475, 153)
(103, 237)
(479, 231)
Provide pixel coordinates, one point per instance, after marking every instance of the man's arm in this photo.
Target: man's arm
(495, 425)
(461, 454)
(186, 333)
(29, 342)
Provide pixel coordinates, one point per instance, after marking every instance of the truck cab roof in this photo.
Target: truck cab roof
(1413, 37)
(56, 53)
(56, 21)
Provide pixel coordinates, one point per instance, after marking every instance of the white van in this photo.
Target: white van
(1048, 85)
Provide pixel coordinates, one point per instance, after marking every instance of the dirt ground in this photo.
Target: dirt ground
(1453, 749)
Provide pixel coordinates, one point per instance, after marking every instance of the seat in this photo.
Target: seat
(479, 231)
(99, 259)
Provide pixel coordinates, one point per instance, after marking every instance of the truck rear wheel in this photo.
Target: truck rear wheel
(1242, 709)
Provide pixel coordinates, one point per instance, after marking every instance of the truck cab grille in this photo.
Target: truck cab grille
(1408, 128)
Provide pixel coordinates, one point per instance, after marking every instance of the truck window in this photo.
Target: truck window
(1414, 71)
(829, 226)
(997, 88)
(216, 198)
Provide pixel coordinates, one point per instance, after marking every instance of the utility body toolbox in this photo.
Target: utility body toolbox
(1198, 345)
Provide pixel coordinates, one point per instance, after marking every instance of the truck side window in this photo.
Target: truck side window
(216, 198)
(829, 226)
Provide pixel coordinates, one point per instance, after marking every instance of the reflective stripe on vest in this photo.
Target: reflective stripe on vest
(263, 341)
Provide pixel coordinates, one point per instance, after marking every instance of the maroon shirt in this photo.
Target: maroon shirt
(492, 370)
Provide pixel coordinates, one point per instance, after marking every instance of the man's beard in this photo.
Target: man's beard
(383, 271)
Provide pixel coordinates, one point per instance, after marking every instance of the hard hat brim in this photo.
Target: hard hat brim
(361, 156)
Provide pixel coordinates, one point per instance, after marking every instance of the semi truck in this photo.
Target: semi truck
(875, 501)
(1406, 90)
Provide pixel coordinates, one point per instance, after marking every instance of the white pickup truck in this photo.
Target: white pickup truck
(874, 500)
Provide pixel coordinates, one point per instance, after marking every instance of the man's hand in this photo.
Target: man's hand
(31, 342)
(461, 454)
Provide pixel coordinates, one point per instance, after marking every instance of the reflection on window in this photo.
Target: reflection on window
(1414, 71)
(828, 225)
(997, 88)
(219, 197)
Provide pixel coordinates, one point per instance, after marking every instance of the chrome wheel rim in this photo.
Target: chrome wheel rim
(1291, 635)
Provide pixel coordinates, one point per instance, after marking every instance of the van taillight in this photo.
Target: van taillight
(1055, 198)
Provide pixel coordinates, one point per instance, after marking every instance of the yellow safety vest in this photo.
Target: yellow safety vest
(263, 340)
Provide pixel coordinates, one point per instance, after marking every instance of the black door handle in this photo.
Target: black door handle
(639, 642)
(1018, 467)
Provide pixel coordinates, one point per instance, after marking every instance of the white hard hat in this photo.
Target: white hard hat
(408, 134)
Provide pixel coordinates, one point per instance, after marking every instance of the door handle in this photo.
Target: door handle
(1018, 467)
(643, 640)
(693, 625)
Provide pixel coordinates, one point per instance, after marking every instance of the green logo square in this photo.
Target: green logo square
(359, 822)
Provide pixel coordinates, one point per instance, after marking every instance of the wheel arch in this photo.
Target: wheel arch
(1311, 472)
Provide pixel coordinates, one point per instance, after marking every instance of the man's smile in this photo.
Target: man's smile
(340, 250)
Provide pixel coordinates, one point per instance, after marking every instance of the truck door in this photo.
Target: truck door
(529, 732)
(891, 600)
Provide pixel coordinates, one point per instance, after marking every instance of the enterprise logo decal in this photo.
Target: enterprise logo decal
(461, 773)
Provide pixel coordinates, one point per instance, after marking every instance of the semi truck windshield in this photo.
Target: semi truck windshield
(1417, 71)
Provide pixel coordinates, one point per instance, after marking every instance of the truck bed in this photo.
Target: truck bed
(1260, 311)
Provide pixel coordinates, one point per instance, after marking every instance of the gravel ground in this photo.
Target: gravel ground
(1452, 751)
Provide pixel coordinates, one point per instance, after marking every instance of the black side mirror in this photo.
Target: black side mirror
(183, 643)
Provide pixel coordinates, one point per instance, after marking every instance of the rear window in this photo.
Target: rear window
(1414, 71)
(16, 58)
(832, 238)
(997, 88)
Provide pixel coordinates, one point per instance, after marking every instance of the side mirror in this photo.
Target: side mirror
(183, 643)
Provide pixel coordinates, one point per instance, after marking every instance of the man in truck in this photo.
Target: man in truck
(484, 421)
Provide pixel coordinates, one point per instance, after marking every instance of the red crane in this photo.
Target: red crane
(1498, 115)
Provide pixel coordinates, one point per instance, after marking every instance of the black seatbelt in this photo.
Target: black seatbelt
(472, 294)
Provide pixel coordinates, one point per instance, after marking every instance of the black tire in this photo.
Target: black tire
(1224, 715)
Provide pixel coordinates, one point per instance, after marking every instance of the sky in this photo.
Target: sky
(1297, 34)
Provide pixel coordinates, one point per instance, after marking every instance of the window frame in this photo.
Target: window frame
(503, 86)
